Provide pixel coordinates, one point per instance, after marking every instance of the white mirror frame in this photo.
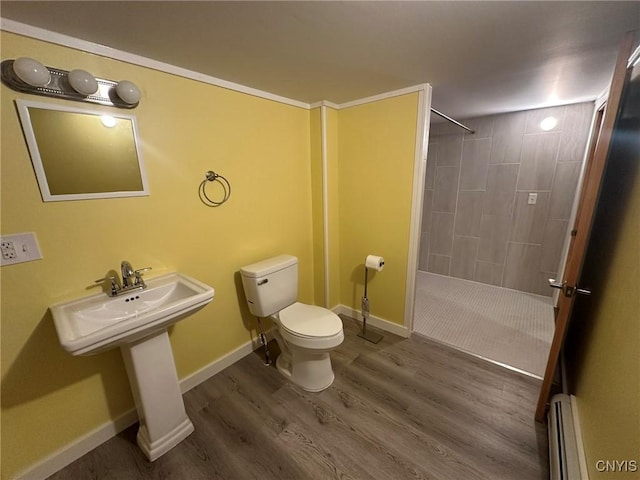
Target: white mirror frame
(47, 196)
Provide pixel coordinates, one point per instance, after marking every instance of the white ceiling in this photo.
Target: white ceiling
(480, 57)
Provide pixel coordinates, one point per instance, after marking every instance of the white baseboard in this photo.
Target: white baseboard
(378, 322)
(83, 445)
(584, 471)
(208, 371)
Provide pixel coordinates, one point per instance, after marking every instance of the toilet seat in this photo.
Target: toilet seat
(310, 321)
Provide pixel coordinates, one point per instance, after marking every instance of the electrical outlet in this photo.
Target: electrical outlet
(533, 198)
(18, 248)
(8, 250)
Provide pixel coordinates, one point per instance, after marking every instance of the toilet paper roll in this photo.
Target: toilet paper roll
(375, 262)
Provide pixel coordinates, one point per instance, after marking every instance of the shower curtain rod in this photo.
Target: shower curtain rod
(448, 118)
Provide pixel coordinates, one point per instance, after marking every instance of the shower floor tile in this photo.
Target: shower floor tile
(505, 326)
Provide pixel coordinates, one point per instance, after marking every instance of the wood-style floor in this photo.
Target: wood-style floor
(404, 408)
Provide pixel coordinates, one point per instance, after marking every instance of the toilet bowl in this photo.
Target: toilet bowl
(306, 334)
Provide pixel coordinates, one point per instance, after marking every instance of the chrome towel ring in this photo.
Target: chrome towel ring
(211, 176)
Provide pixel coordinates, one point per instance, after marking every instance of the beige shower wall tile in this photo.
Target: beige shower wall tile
(441, 236)
(439, 264)
(423, 257)
(529, 220)
(441, 127)
(469, 213)
(506, 143)
(475, 164)
(537, 161)
(555, 235)
(494, 234)
(425, 225)
(489, 273)
(463, 257)
(575, 133)
(430, 174)
(446, 189)
(483, 127)
(564, 189)
(522, 269)
(501, 189)
(449, 151)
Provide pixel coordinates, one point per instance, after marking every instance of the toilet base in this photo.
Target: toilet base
(310, 371)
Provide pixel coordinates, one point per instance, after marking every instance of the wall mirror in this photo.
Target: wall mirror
(82, 154)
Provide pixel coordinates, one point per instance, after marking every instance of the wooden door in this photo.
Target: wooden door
(597, 160)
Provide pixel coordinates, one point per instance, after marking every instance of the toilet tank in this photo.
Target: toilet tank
(270, 285)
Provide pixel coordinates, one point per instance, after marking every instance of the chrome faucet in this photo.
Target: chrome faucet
(128, 275)
(131, 280)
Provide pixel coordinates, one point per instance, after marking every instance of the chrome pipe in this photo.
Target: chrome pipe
(448, 118)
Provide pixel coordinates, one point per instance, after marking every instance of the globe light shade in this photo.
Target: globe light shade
(82, 82)
(31, 71)
(128, 92)
(548, 123)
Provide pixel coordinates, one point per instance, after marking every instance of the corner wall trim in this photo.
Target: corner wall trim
(83, 445)
(383, 96)
(378, 322)
(325, 204)
(417, 198)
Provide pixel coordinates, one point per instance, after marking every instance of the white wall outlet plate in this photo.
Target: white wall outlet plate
(533, 198)
(18, 248)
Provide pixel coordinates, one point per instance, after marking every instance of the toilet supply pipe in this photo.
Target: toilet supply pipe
(263, 339)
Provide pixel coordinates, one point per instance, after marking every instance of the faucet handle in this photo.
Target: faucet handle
(115, 287)
(138, 274)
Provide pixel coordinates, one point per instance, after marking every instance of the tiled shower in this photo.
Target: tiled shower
(497, 203)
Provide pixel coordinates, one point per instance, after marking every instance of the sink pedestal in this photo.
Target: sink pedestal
(154, 384)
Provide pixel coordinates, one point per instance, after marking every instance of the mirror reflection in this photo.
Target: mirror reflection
(80, 154)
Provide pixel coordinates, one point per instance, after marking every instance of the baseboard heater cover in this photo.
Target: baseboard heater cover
(564, 463)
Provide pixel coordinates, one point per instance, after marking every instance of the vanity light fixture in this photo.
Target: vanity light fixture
(31, 71)
(128, 92)
(548, 123)
(30, 76)
(83, 82)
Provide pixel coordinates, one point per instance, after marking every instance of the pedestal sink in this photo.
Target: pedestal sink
(137, 323)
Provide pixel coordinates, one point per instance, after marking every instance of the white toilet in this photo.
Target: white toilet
(305, 333)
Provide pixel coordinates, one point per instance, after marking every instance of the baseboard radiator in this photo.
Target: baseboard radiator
(564, 462)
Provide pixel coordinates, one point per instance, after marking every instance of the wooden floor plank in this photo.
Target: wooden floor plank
(402, 408)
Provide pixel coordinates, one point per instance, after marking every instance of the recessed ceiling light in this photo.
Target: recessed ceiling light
(548, 123)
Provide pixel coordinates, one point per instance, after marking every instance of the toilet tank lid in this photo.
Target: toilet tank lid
(266, 267)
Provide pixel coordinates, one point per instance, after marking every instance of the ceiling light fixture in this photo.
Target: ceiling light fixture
(30, 76)
(548, 123)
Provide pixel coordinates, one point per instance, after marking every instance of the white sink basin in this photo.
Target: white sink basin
(98, 322)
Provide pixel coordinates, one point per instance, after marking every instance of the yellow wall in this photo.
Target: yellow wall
(50, 398)
(606, 367)
(376, 149)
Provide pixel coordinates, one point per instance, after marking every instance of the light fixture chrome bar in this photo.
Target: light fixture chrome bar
(59, 87)
(448, 118)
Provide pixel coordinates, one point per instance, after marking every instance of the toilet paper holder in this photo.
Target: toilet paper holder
(377, 263)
